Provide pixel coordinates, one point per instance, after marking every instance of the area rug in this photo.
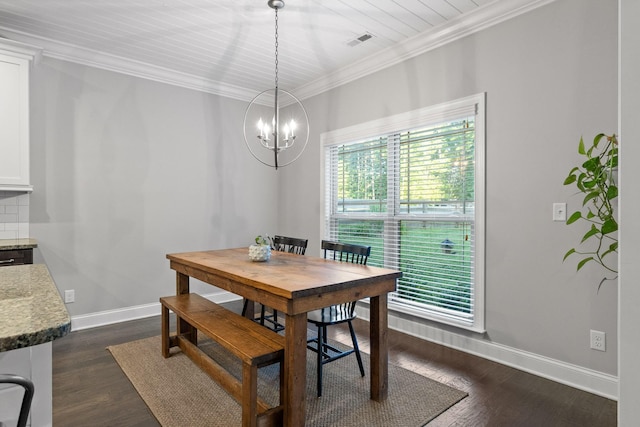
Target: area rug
(179, 394)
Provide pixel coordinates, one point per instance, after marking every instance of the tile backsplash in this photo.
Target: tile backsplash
(14, 215)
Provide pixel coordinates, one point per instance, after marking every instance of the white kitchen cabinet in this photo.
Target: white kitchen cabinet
(15, 61)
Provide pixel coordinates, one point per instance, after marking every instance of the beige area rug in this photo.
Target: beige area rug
(180, 394)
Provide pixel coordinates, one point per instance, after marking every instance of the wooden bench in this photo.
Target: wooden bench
(255, 345)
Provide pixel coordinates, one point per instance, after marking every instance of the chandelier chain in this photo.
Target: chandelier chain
(276, 47)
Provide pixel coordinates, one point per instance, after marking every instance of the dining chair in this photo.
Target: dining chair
(292, 245)
(27, 397)
(336, 314)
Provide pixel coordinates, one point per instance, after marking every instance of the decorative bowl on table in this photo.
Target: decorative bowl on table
(259, 253)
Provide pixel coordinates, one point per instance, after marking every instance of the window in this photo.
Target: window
(412, 187)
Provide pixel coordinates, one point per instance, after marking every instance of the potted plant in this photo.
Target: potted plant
(261, 250)
(596, 180)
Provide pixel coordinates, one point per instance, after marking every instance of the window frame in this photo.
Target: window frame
(410, 120)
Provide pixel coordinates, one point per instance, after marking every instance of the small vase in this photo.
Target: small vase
(259, 253)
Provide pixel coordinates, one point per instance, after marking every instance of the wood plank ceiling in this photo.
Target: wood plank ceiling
(228, 47)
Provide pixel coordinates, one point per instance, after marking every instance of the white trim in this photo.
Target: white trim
(475, 21)
(93, 58)
(403, 121)
(108, 317)
(595, 382)
(20, 50)
(470, 105)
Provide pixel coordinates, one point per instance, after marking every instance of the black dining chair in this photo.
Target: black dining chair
(26, 398)
(292, 245)
(336, 314)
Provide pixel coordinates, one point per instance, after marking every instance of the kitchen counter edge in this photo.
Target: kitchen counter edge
(32, 311)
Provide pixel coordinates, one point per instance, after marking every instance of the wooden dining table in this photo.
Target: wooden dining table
(294, 285)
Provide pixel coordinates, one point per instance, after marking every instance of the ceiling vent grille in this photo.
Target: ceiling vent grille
(360, 39)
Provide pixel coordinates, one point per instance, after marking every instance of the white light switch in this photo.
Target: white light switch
(559, 211)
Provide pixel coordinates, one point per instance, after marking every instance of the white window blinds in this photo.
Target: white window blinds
(412, 195)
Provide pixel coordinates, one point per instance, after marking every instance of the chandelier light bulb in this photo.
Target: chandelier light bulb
(261, 128)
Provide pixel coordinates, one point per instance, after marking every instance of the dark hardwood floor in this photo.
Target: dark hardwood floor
(89, 389)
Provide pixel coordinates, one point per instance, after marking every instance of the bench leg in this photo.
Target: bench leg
(185, 329)
(165, 331)
(249, 395)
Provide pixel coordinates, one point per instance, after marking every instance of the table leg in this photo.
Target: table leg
(379, 348)
(295, 370)
(182, 327)
(182, 283)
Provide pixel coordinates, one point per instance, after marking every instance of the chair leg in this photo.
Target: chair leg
(321, 339)
(244, 307)
(356, 348)
(262, 313)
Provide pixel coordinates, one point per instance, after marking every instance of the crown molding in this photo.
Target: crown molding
(472, 22)
(93, 58)
(22, 50)
(480, 19)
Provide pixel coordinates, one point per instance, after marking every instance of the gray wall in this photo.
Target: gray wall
(125, 171)
(550, 77)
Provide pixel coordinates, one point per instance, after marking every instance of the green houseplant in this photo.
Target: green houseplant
(596, 180)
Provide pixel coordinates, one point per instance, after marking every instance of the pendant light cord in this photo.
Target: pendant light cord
(276, 47)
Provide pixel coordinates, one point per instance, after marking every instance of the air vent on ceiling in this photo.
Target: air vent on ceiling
(360, 39)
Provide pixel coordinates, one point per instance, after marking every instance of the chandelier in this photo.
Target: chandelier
(276, 125)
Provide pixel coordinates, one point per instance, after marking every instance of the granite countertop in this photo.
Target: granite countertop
(9, 244)
(31, 310)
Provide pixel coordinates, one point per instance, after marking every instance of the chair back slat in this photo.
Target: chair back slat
(292, 245)
(346, 252)
(338, 312)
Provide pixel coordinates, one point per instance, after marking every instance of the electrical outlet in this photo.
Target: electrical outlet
(69, 296)
(598, 340)
(559, 211)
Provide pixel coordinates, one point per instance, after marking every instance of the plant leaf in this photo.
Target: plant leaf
(574, 217)
(570, 179)
(609, 226)
(581, 147)
(612, 192)
(569, 252)
(591, 164)
(583, 262)
(592, 232)
(590, 196)
(597, 139)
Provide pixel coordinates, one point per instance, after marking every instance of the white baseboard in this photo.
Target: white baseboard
(102, 318)
(595, 382)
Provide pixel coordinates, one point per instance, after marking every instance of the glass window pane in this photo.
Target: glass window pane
(362, 177)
